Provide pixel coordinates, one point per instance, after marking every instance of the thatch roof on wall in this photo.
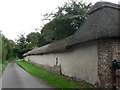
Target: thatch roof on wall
(101, 23)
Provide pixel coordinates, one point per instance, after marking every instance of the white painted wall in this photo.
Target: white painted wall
(80, 62)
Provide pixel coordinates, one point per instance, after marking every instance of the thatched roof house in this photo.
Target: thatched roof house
(89, 53)
(102, 22)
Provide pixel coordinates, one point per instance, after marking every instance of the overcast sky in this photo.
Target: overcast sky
(23, 16)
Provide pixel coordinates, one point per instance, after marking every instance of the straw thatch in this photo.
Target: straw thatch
(102, 22)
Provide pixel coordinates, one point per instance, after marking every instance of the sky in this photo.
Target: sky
(24, 16)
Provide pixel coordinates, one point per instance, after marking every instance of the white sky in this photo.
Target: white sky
(23, 16)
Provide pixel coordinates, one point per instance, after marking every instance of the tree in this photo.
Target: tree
(8, 47)
(22, 46)
(33, 38)
(58, 29)
(65, 21)
(0, 46)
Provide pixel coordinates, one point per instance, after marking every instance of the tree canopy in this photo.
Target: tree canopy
(62, 23)
(8, 48)
(65, 21)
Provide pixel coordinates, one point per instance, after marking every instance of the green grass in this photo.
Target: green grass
(0, 68)
(3, 66)
(4, 63)
(55, 80)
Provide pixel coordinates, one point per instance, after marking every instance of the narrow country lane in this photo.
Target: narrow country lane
(15, 77)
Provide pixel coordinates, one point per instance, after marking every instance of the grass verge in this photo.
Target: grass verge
(55, 80)
(3, 66)
(4, 63)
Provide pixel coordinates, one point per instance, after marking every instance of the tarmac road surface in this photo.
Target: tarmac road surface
(15, 77)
